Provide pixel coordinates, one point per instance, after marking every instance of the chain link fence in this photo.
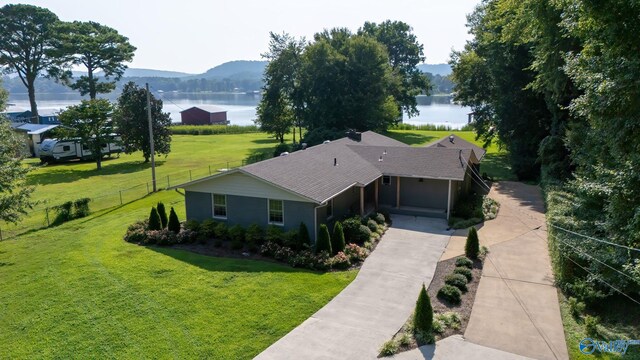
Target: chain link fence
(43, 215)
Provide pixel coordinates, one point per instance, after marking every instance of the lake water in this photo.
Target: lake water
(241, 108)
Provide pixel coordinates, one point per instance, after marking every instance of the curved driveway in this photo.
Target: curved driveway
(377, 303)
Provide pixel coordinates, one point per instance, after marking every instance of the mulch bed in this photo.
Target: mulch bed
(443, 269)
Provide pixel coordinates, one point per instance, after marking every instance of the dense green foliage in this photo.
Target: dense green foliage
(558, 83)
(457, 280)
(177, 129)
(154, 219)
(303, 235)
(174, 223)
(90, 121)
(472, 245)
(164, 219)
(132, 121)
(94, 47)
(423, 314)
(450, 293)
(323, 243)
(337, 239)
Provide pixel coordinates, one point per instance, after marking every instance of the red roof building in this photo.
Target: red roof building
(204, 115)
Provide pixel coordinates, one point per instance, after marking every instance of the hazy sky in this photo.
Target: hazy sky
(193, 36)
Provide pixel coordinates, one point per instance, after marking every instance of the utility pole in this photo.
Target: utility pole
(153, 161)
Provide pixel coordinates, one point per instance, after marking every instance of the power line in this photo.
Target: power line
(592, 238)
(163, 98)
(594, 275)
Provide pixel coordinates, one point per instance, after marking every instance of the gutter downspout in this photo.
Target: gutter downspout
(315, 223)
(449, 201)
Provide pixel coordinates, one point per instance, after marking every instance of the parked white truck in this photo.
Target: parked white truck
(57, 150)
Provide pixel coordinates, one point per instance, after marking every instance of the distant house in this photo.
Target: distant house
(204, 115)
(45, 117)
(33, 135)
(357, 174)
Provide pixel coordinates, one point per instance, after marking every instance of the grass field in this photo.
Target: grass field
(79, 291)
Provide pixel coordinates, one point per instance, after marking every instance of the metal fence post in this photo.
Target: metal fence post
(120, 191)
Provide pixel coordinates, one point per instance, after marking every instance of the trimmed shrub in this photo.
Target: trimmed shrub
(324, 240)
(81, 208)
(466, 272)
(340, 261)
(136, 233)
(337, 240)
(187, 236)
(372, 225)
(472, 246)
(236, 233)
(193, 225)
(355, 253)
(423, 315)
(379, 218)
(457, 280)
(450, 293)
(154, 220)
(254, 236)
(221, 231)
(208, 228)
(464, 261)
(161, 237)
(163, 215)
(174, 223)
(274, 234)
(290, 239)
(389, 348)
(364, 234)
(304, 241)
(351, 229)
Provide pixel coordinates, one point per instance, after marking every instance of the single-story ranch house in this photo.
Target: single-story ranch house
(357, 174)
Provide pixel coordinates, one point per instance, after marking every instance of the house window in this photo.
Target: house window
(66, 148)
(330, 209)
(276, 212)
(220, 206)
(386, 180)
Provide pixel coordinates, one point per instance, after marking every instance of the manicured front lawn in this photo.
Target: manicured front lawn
(80, 291)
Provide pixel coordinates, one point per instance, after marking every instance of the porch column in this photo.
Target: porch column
(376, 193)
(449, 201)
(398, 191)
(362, 201)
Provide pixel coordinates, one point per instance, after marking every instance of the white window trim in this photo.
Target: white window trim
(388, 177)
(213, 207)
(269, 213)
(333, 211)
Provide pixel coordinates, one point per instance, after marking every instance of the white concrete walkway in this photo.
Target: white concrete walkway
(454, 348)
(377, 303)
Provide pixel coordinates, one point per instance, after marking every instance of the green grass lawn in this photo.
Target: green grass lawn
(80, 291)
(495, 163)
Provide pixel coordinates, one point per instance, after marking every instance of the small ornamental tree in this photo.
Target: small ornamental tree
(324, 241)
(423, 316)
(174, 223)
(154, 220)
(303, 236)
(472, 247)
(163, 214)
(337, 240)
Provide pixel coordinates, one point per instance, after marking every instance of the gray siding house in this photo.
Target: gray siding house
(357, 174)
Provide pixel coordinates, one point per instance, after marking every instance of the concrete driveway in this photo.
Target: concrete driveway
(516, 307)
(377, 303)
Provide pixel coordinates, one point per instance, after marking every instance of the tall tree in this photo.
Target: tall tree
(90, 121)
(14, 193)
(97, 48)
(27, 45)
(281, 105)
(131, 119)
(405, 53)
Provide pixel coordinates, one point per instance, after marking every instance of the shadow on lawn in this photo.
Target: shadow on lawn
(411, 138)
(67, 173)
(227, 264)
(265, 141)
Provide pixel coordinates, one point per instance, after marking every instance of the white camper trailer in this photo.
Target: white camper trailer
(54, 150)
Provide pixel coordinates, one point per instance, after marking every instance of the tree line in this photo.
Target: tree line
(341, 80)
(558, 84)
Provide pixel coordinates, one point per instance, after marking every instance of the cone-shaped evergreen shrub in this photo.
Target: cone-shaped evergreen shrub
(303, 236)
(337, 240)
(324, 241)
(154, 220)
(472, 247)
(163, 214)
(174, 223)
(423, 316)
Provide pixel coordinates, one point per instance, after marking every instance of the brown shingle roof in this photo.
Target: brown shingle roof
(459, 143)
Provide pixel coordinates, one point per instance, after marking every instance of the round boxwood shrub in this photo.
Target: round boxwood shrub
(324, 240)
(207, 228)
(464, 261)
(450, 293)
(457, 280)
(364, 234)
(466, 272)
(379, 218)
(221, 231)
(372, 225)
(351, 228)
(154, 220)
(275, 234)
(236, 233)
(192, 225)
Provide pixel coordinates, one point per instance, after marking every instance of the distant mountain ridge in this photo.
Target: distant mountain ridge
(235, 69)
(435, 69)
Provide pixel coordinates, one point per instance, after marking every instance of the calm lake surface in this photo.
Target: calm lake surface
(241, 108)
